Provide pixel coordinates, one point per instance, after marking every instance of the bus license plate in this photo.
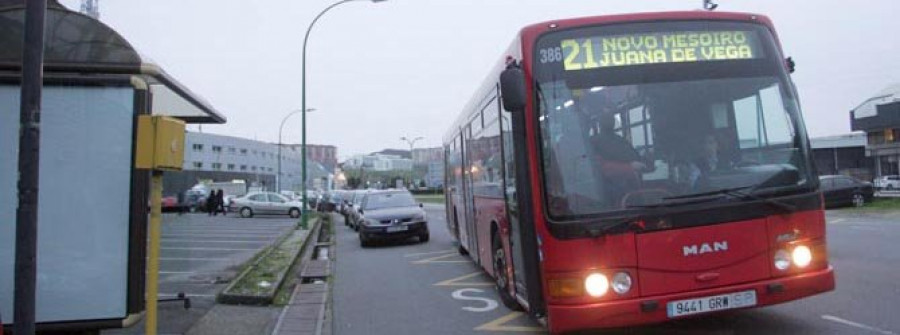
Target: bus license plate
(711, 303)
(395, 229)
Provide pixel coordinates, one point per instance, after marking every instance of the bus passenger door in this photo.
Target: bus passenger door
(469, 198)
(458, 197)
(512, 210)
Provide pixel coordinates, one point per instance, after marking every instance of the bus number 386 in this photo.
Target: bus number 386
(551, 55)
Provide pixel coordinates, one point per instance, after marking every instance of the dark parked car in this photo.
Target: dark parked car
(391, 214)
(328, 202)
(342, 201)
(353, 203)
(844, 190)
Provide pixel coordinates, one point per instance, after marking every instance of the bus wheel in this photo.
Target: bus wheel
(501, 275)
(462, 251)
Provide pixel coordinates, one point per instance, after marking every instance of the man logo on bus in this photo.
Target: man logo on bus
(690, 250)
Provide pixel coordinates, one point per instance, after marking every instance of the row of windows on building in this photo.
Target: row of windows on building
(233, 167)
(218, 149)
(886, 136)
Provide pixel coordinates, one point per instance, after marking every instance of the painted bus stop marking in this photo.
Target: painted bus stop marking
(428, 253)
(460, 281)
(489, 304)
(441, 259)
(499, 325)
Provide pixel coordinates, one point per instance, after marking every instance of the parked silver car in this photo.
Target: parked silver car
(265, 203)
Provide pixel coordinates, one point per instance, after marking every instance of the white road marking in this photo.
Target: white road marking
(192, 259)
(210, 241)
(214, 230)
(216, 249)
(440, 259)
(253, 235)
(836, 220)
(490, 304)
(458, 281)
(189, 295)
(428, 253)
(857, 325)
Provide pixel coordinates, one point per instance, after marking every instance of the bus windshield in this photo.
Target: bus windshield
(635, 115)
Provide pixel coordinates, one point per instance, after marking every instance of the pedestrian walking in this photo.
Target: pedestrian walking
(211, 205)
(220, 201)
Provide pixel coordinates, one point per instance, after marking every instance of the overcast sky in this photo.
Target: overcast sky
(379, 71)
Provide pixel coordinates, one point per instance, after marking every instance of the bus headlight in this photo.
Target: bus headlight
(596, 284)
(782, 260)
(802, 256)
(621, 283)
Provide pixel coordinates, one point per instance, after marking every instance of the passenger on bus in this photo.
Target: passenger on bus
(620, 164)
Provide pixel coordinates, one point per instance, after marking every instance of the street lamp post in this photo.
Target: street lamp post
(280, 129)
(303, 94)
(412, 143)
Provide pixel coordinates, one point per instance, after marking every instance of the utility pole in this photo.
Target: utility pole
(29, 162)
(91, 8)
(412, 143)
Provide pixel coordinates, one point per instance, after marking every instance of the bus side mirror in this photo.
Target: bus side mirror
(791, 66)
(512, 89)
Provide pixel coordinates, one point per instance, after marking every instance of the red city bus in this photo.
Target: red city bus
(630, 169)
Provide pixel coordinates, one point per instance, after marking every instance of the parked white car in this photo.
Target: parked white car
(889, 182)
(265, 203)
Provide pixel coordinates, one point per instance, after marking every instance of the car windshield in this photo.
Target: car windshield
(619, 132)
(389, 200)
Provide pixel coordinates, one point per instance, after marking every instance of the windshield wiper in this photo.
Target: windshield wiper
(703, 194)
(619, 226)
(739, 193)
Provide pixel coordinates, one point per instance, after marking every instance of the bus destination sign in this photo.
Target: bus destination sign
(657, 48)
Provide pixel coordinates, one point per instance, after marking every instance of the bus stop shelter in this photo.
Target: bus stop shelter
(92, 216)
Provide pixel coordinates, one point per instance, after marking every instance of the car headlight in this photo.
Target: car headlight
(621, 283)
(369, 222)
(596, 284)
(421, 217)
(802, 256)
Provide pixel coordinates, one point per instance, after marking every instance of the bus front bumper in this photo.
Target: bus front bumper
(644, 310)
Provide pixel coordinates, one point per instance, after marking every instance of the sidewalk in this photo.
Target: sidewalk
(887, 194)
(433, 206)
(305, 314)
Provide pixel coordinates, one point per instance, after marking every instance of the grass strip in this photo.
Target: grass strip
(283, 296)
(882, 204)
(430, 198)
(261, 280)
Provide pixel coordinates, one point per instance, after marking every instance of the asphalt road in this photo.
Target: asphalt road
(427, 288)
(199, 255)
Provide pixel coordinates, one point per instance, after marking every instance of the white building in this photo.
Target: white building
(379, 162)
(225, 158)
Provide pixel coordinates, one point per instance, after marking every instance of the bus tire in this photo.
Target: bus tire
(501, 278)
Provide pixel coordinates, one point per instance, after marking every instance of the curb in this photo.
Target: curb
(241, 299)
(311, 300)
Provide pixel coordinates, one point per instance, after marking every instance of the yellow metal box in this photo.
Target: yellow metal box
(160, 143)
